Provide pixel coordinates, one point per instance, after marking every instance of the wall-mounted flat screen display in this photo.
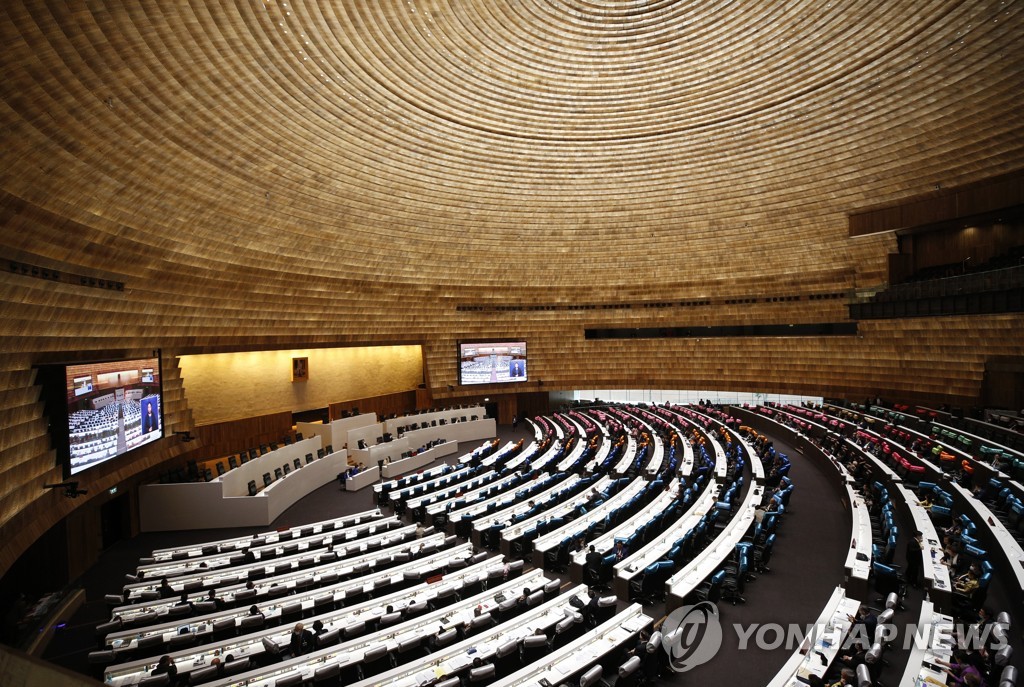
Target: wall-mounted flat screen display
(102, 410)
(492, 362)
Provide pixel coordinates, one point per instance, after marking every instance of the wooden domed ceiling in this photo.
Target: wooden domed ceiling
(492, 142)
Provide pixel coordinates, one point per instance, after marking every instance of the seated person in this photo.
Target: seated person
(863, 629)
(217, 602)
(166, 665)
(165, 589)
(968, 582)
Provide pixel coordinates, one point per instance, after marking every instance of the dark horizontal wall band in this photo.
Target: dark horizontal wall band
(694, 303)
(726, 331)
(943, 205)
(986, 303)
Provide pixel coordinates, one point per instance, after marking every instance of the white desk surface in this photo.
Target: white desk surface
(602, 454)
(273, 535)
(441, 492)
(236, 481)
(705, 563)
(557, 667)
(417, 419)
(662, 544)
(317, 541)
(431, 476)
(935, 573)
(404, 465)
(449, 659)
(657, 459)
(363, 479)
(573, 455)
(505, 515)
(251, 644)
(756, 467)
(860, 537)
(627, 456)
(605, 544)
(827, 635)
(477, 497)
(515, 531)
(936, 644)
(686, 462)
(239, 573)
(472, 430)
(555, 537)
(498, 493)
(1011, 548)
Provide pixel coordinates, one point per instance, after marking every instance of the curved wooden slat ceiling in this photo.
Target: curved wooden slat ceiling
(462, 134)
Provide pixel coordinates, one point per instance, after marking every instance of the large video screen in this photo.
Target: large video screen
(492, 363)
(112, 408)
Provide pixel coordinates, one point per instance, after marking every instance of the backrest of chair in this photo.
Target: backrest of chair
(535, 641)
(507, 648)
(235, 667)
(863, 676)
(591, 677)
(445, 638)
(223, 625)
(481, 673)
(101, 657)
(535, 598)
(202, 675)
(450, 682)
(328, 638)
(328, 672)
(654, 642)
(390, 619)
(354, 630)
(271, 647)
(375, 653)
(629, 667)
(289, 680)
(481, 621)
(409, 644)
(251, 622)
(564, 625)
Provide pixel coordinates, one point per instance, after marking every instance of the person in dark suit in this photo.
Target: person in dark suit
(593, 558)
(217, 601)
(301, 640)
(165, 589)
(166, 665)
(150, 422)
(915, 548)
